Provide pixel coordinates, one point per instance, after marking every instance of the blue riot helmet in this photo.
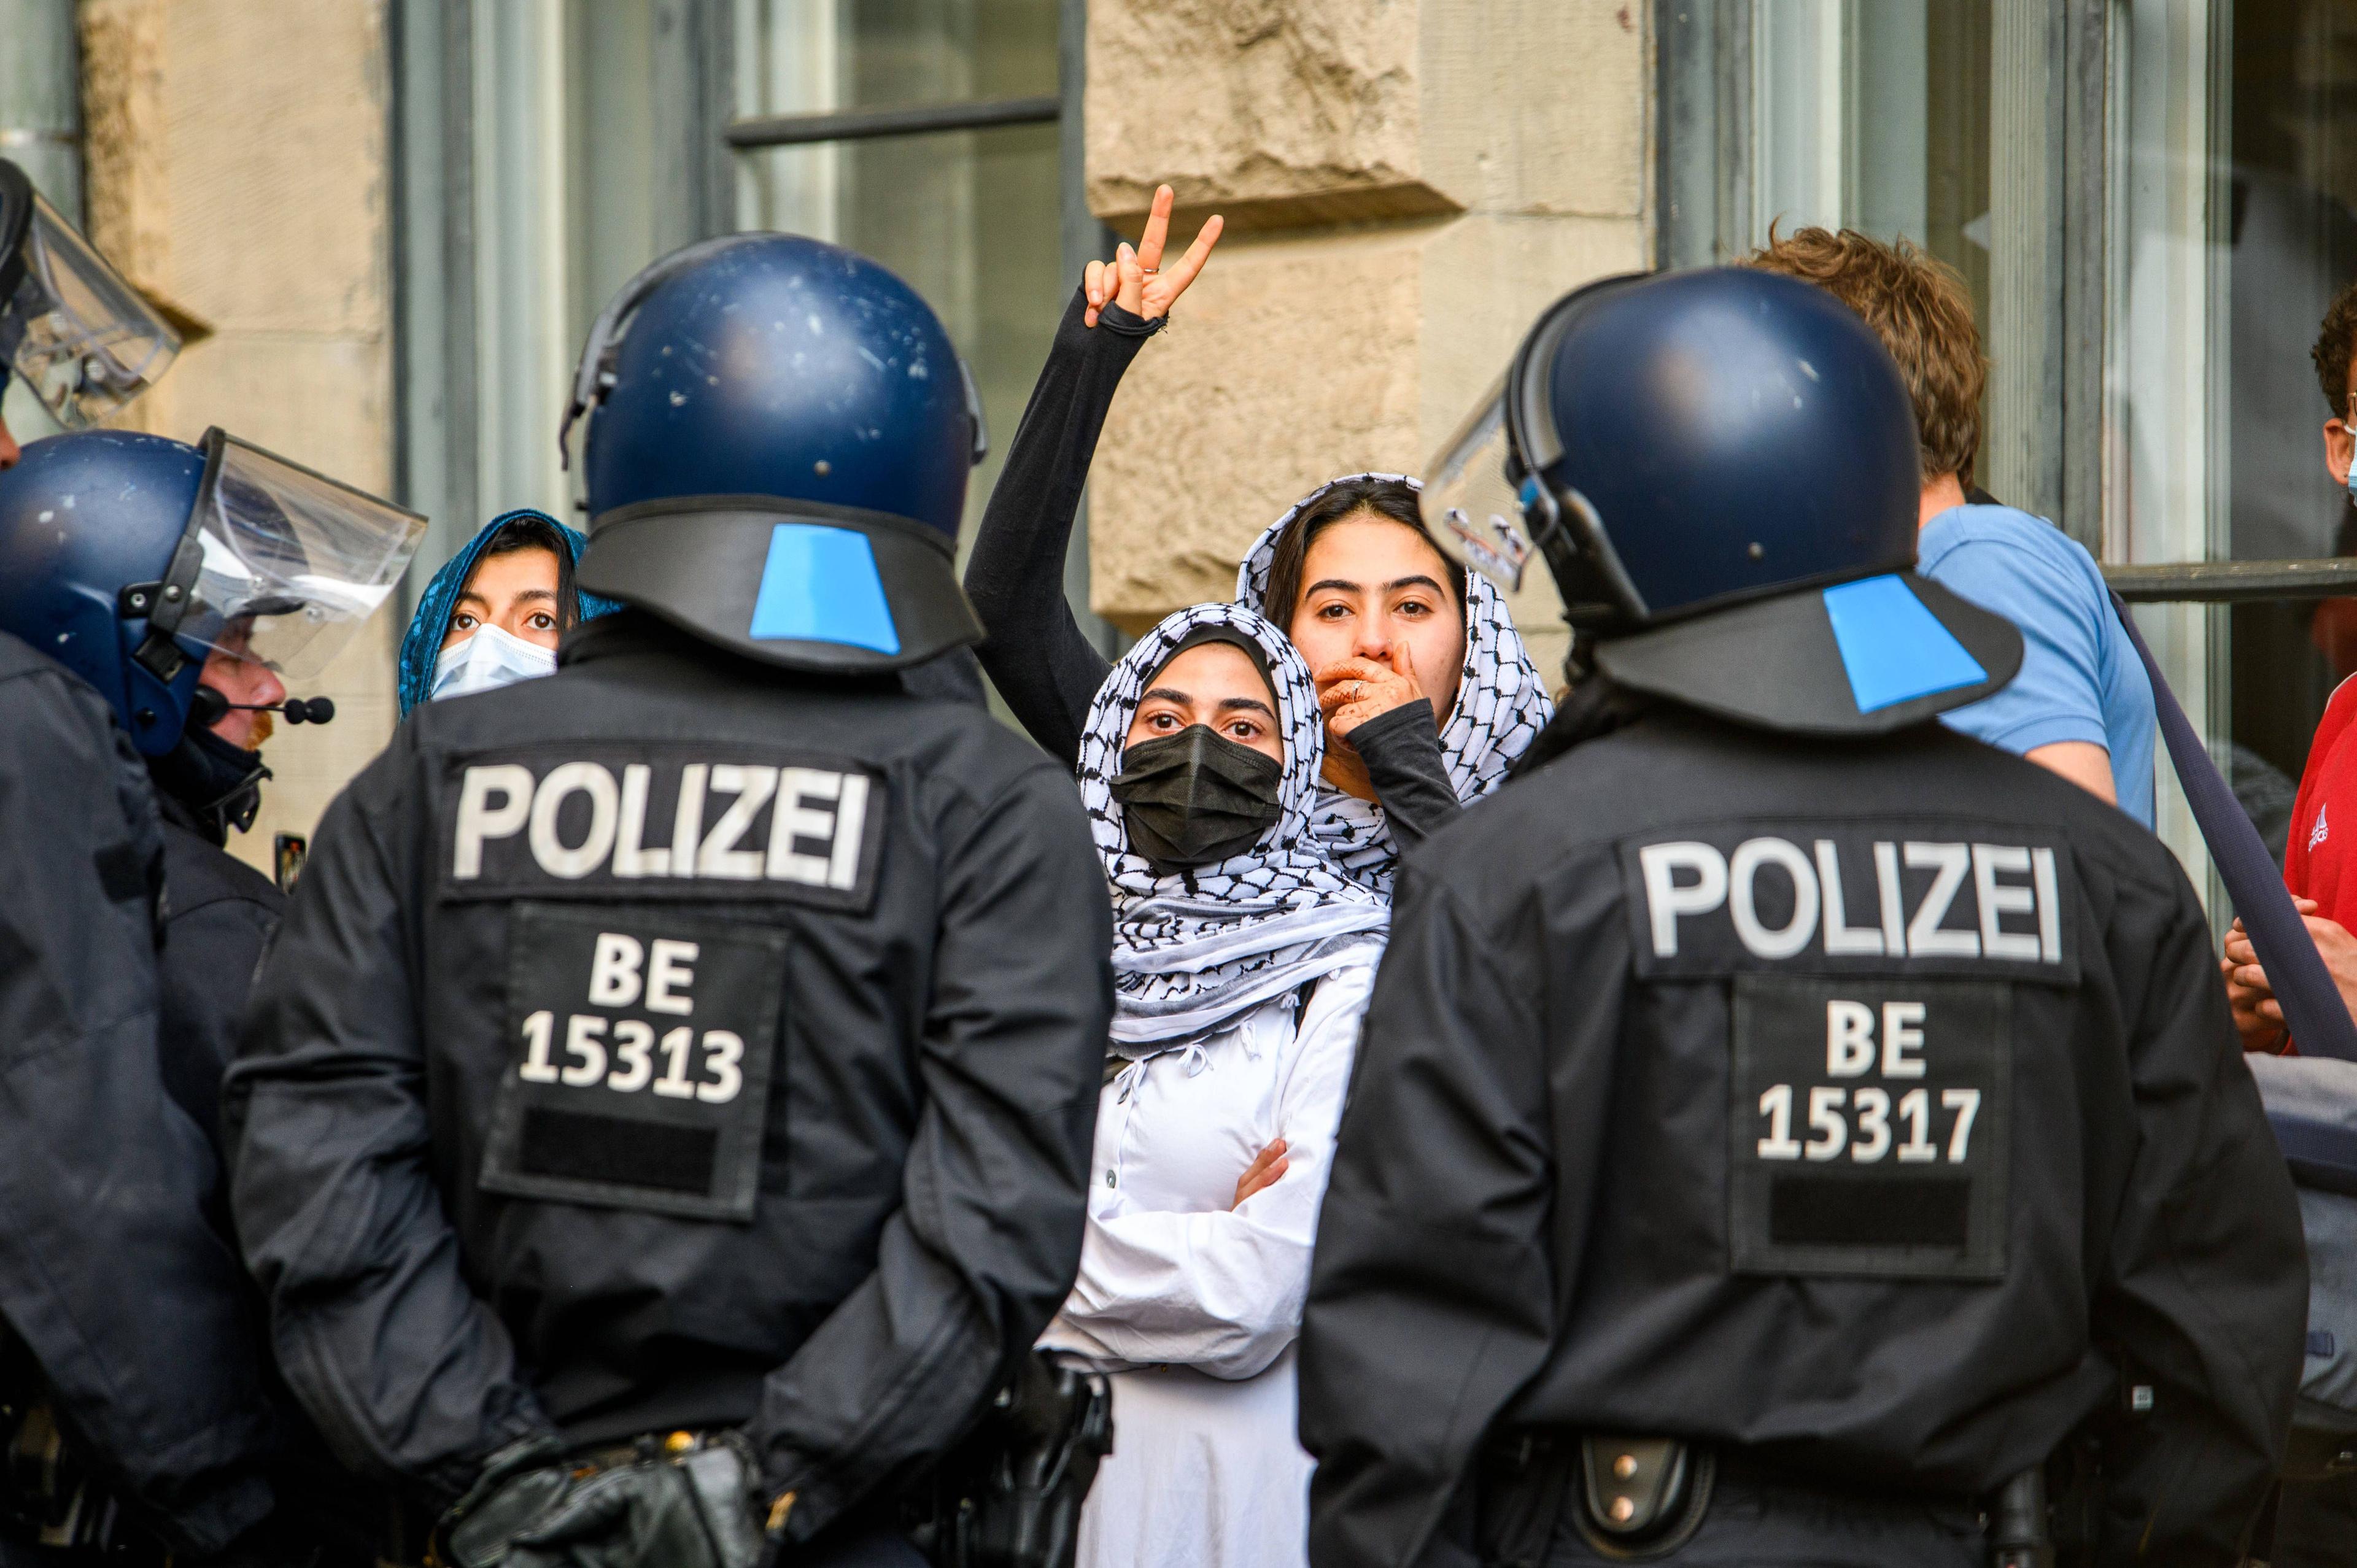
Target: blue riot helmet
(1720, 469)
(131, 559)
(82, 338)
(779, 438)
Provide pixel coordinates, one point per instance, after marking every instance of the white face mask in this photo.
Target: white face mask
(488, 659)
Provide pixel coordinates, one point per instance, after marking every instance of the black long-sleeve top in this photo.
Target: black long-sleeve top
(1042, 663)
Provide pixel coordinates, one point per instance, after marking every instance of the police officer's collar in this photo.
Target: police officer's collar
(1594, 706)
(1864, 657)
(209, 786)
(630, 632)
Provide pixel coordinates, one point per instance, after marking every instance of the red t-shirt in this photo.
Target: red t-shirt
(2321, 862)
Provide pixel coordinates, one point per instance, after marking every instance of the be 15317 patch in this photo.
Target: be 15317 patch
(642, 1043)
(1870, 1128)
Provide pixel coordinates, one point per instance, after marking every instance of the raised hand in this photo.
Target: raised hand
(1353, 690)
(1136, 280)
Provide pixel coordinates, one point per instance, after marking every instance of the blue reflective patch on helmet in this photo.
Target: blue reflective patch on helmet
(820, 585)
(1893, 649)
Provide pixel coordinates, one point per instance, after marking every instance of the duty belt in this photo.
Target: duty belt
(49, 1498)
(1641, 1499)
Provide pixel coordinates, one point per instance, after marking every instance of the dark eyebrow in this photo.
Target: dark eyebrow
(1418, 581)
(1168, 694)
(531, 594)
(1255, 704)
(1329, 582)
(470, 593)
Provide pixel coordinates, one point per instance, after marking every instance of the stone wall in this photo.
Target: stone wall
(236, 168)
(1408, 183)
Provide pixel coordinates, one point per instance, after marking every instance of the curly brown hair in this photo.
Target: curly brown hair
(2336, 344)
(1922, 312)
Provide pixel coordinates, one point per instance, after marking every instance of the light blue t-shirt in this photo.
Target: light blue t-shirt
(2081, 679)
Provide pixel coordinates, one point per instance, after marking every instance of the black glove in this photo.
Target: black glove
(690, 1507)
(519, 1483)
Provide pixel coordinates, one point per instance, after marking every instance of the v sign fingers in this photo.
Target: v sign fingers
(1163, 289)
(1157, 230)
(1136, 278)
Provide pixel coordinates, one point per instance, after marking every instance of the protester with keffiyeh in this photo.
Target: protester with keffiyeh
(1351, 550)
(1428, 693)
(1242, 960)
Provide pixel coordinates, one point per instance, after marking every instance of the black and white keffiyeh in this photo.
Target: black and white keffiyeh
(1501, 705)
(1193, 953)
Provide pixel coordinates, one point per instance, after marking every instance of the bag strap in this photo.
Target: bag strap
(2312, 1006)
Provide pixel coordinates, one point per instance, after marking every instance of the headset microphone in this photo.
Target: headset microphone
(209, 707)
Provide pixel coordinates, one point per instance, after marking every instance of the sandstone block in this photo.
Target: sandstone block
(1282, 113)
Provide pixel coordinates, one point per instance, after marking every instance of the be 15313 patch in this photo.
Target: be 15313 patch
(642, 1043)
(1869, 1129)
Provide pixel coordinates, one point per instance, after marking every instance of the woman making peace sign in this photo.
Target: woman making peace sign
(1426, 692)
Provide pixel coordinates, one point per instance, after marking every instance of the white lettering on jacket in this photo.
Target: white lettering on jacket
(1997, 913)
(816, 821)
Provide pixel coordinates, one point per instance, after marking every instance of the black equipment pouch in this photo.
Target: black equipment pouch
(48, 1496)
(1524, 1480)
(2017, 1532)
(2317, 1454)
(1009, 1494)
(1642, 1498)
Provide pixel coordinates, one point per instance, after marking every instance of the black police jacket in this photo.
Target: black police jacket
(218, 915)
(1870, 1109)
(675, 1042)
(133, 1305)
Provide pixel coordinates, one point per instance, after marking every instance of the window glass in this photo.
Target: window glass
(2290, 242)
(2232, 188)
(971, 219)
(1875, 117)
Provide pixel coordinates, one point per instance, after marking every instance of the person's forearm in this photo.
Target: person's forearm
(2083, 762)
(404, 1370)
(1218, 1292)
(1401, 750)
(1035, 653)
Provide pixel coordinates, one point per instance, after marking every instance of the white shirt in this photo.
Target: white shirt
(1198, 1305)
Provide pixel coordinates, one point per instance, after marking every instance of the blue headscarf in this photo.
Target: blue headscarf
(421, 645)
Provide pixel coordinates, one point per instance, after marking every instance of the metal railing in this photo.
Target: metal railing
(2235, 582)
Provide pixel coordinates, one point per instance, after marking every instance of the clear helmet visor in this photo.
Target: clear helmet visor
(290, 561)
(77, 332)
(1470, 508)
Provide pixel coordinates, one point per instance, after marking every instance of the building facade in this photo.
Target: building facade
(393, 219)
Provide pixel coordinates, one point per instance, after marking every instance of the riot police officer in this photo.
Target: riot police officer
(133, 1394)
(92, 528)
(1782, 1123)
(664, 1114)
(131, 1389)
(165, 584)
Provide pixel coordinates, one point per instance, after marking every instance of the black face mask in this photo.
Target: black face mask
(1195, 798)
